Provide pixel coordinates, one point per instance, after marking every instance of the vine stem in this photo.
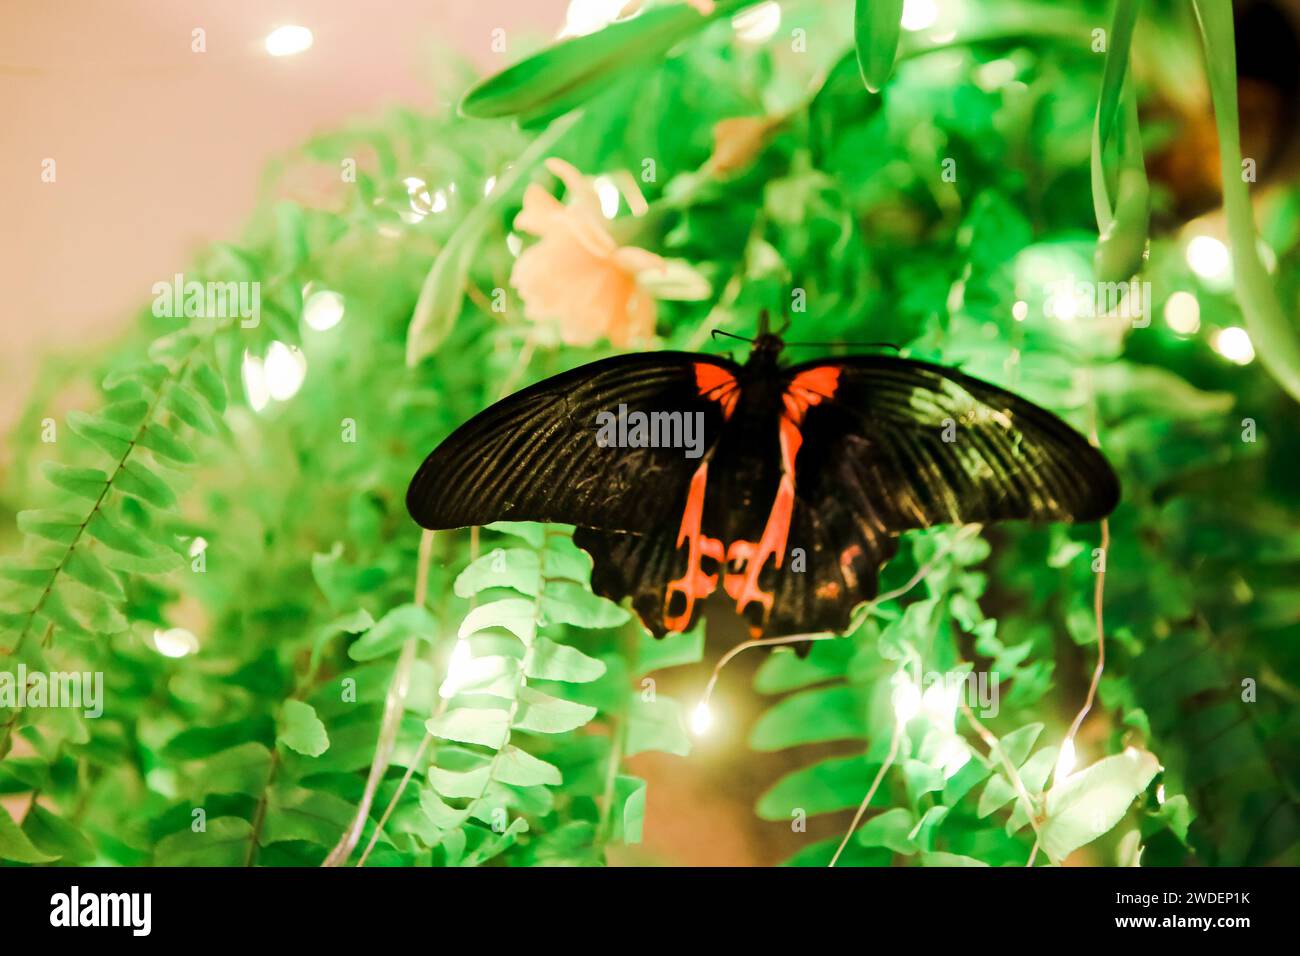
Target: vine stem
(1098, 596)
(875, 785)
(394, 704)
(259, 815)
(997, 753)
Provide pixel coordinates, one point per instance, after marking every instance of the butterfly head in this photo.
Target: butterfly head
(767, 347)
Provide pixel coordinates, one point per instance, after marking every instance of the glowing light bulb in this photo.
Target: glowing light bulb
(285, 368)
(254, 375)
(608, 195)
(701, 719)
(457, 667)
(1064, 305)
(1160, 794)
(940, 701)
(175, 642)
(759, 24)
(919, 14)
(514, 244)
(1183, 313)
(1020, 311)
(1234, 344)
(1208, 257)
(323, 310)
(288, 40)
(906, 700)
(1064, 761)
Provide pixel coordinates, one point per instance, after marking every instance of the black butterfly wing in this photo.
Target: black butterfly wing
(891, 444)
(535, 456)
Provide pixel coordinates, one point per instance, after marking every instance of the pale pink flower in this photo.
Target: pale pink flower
(577, 277)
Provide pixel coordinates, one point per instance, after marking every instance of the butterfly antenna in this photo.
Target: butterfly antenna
(855, 345)
(731, 335)
(764, 322)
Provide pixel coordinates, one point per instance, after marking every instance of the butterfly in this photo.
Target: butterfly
(784, 487)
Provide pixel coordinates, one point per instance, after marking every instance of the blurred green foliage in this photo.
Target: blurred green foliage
(278, 536)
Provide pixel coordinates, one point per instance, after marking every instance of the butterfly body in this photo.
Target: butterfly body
(783, 488)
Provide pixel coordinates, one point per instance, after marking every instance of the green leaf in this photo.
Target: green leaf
(137, 480)
(530, 532)
(85, 483)
(784, 670)
(243, 769)
(998, 792)
(522, 769)
(829, 713)
(877, 25)
(543, 714)
(656, 725)
(836, 783)
(54, 835)
(565, 602)
(166, 445)
(672, 650)
(515, 615)
(564, 559)
(84, 567)
(495, 844)
(61, 527)
(186, 406)
(494, 674)
(147, 374)
(129, 413)
(209, 384)
(1271, 329)
(552, 661)
(128, 541)
(301, 814)
(515, 568)
(111, 436)
(472, 725)
(301, 730)
(459, 784)
(393, 630)
(1089, 803)
(949, 859)
(567, 73)
(58, 612)
(889, 829)
(15, 844)
(1017, 744)
(921, 779)
(629, 793)
(30, 577)
(224, 842)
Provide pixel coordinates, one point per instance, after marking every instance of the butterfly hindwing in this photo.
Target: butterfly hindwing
(539, 454)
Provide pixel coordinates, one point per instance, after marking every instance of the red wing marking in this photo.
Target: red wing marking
(717, 385)
(694, 585)
(810, 388)
(806, 389)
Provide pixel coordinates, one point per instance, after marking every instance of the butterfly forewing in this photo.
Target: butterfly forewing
(541, 455)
